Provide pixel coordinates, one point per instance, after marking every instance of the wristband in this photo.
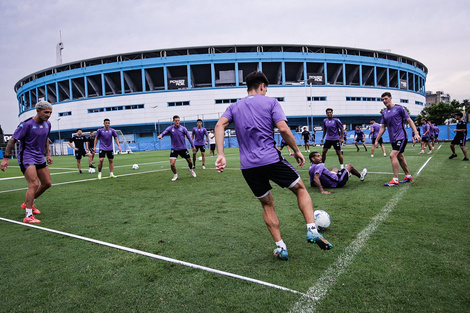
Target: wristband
(6, 156)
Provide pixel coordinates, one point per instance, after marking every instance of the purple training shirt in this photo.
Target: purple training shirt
(177, 135)
(33, 138)
(198, 134)
(395, 118)
(376, 128)
(332, 128)
(327, 178)
(255, 117)
(105, 136)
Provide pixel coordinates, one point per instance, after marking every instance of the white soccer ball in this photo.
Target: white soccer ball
(91, 170)
(135, 167)
(322, 219)
(200, 158)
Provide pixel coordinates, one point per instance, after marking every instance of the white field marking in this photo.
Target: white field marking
(308, 302)
(155, 256)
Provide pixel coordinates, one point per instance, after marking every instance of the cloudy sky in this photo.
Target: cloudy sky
(436, 33)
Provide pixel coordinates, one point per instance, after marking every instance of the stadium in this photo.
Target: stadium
(141, 91)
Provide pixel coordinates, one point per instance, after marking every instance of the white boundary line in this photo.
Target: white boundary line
(155, 256)
(308, 302)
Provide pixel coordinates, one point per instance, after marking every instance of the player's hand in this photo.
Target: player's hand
(220, 163)
(4, 165)
(49, 159)
(321, 140)
(159, 137)
(194, 150)
(299, 157)
(325, 192)
(120, 150)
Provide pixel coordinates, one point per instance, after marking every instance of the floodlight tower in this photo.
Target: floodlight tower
(59, 48)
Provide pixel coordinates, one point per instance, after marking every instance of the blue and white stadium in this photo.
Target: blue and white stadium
(141, 91)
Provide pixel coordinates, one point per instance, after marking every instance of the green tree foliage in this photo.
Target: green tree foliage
(440, 112)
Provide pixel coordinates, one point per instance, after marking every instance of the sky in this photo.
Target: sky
(436, 33)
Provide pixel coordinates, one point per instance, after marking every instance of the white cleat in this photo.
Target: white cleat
(363, 174)
(192, 173)
(175, 177)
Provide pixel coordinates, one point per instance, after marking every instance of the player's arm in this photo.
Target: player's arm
(72, 146)
(413, 127)
(48, 152)
(316, 183)
(286, 133)
(381, 131)
(96, 142)
(324, 132)
(7, 154)
(219, 132)
(341, 136)
(117, 142)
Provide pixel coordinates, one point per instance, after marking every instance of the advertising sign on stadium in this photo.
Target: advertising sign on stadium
(316, 78)
(403, 84)
(177, 83)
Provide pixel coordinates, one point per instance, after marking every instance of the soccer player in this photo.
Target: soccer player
(321, 177)
(312, 139)
(436, 134)
(255, 116)
(333, 130)
(393, 118)
(460, 137)
(432, 137)
(212, 142)
(34, 144)
(90, 142)
(306, 135)
(419, 133)
(105, 136)
(359, 137)
(425, 139)
(79, 148)
(374, 131)
(197, 136)
(177, 133)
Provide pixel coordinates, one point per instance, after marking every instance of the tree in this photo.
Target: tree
(440, 112)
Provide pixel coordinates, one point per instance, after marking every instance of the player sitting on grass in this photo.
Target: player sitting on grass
(320, 176)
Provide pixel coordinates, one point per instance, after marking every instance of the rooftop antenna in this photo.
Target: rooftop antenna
(60, 47)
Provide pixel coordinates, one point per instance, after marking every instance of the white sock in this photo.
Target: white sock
(395, 179)
(342, 166)
(29, 212)
(110, 173)
(408, 176)
(312, 227)
(281, 245)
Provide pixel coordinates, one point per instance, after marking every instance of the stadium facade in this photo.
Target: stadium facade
(141, 91)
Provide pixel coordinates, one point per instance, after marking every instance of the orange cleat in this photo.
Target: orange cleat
(31, 220)
(35, 210)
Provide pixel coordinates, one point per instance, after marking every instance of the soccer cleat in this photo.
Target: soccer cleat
(385, 154)
(319, 240)
(422, 152)
(363, 174)
(80, 171)
(112, 176)
(35, 210)
(31, 220)
(192, 172)
(430, 152)
(281, 253)
(203, 167)
(465, 159)
(175, 177)
(91, 166)
(392, 183)
(453, 156)
(99, 175)
(407, 180)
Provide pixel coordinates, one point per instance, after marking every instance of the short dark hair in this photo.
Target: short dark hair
(386, 94)
(78, 129)
(459, 114)
(255, 79)
(372, 119)
(106, 119)
(312, 154)
(329, 109)
(198, 120)
(175, 116)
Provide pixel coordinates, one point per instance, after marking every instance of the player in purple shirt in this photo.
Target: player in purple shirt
(105, 135)
(374, 132)
(178, 133)
(197, 136)
(255, 117)
(359, 136)
(321, 177)
(393, 118)
(432, 137)
(33, 136)
(333, 130)
(426, 138)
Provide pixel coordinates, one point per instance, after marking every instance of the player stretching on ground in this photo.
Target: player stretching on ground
(374, 131)
(177, 133)
(34, 144)
(394, 117)
(333, 130)
(460, 137)
(321, 177)
(255, 116)
(197, 136)
(105, 136)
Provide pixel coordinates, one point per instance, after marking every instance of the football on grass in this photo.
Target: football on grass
(135, 167)
(91, 170)
(322, 219)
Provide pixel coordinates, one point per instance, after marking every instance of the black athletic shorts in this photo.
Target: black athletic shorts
(380, 142)
(360, 140)
(459, 140)
(108, 153)
(23, 167)
(79, 154)
(212, 146)
(282, 173)
(425, 139)
(399, 145)
(335, 143)
(182, 153)
(202, 148)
